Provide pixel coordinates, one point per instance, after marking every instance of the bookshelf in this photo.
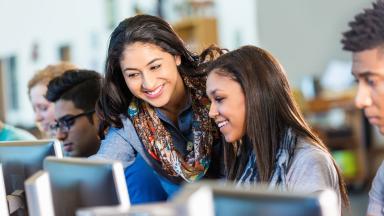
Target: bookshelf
(346, 140)
(197, 33)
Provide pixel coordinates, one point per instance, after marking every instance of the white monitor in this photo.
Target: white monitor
(20, 160)
(188, 206)
(231, 200)
(152, 209)
(80, 182)
(39, 195)
(3, 196)
(219, 199)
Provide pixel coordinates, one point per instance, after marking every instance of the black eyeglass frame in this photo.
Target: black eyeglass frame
(65, 123)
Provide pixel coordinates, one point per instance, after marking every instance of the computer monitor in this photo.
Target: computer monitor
(188, 207)
(3, 196)
(219, 199)
(39, 195)
(152, 209)
(231, 200)
(20, 160)
(80, 182)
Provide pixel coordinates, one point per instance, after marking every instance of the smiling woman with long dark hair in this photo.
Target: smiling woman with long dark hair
(267, 139)
(154, 99)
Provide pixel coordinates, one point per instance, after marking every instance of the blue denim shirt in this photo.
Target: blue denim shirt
(123, 144)
(182, 132)
(376, 194)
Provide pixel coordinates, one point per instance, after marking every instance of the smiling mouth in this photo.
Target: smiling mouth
(222, 123)
(155, 93)
(373, 120)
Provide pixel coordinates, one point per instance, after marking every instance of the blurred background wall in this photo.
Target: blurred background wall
(304, 35)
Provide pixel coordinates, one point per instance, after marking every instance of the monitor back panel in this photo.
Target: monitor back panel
(20, 160)
(3, 195)
(76, 185)
(231, 204)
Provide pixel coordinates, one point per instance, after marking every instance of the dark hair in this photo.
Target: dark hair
(270, 111)
(367, 29)
(82, 87)
(115, 95)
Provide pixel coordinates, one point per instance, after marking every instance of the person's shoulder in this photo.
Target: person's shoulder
(125, 130)
(312, 168)
(309, 154)
(118, 144)
(13, 133)
(379, 177)
(376, 195)
(120, 136)
(381, 168)
(305, 149)
(126, 122)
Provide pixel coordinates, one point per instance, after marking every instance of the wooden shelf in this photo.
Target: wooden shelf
(326, 104)
(349, 137)
(197, 33)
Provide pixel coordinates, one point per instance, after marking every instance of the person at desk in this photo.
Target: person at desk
(267, 138)
(10, 133)
(154, 98)
(365, 39)
(37, 89)
(74, 95)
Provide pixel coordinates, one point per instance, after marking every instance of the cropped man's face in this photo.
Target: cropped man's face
(75, 129)
(368, 69)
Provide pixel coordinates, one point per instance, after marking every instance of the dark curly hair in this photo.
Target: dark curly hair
(367, 29)
(82, 87)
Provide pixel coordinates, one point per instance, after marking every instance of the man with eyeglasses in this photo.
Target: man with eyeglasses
(75, 94)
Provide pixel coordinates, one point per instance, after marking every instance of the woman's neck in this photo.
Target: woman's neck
(177, 102)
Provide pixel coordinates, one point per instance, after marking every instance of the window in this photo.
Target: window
(65, 53)
(9, 85)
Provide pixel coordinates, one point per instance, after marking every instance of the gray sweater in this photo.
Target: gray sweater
(312, 170)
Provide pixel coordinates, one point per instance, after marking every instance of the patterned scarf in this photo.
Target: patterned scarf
(278, 178)
(158, 141)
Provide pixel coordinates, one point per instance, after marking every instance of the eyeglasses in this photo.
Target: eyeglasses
(65, 123)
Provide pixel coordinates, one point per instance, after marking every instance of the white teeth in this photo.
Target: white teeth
(222, 124)
(156, 91)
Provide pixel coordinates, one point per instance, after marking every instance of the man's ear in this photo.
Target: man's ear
(95, 120)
